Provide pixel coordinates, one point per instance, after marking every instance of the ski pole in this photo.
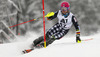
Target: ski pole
(22, 23)
(25, 22)
(87, 39)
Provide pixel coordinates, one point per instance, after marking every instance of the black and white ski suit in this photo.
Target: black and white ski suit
(61, 28)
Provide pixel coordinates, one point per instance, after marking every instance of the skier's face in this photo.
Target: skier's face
(64, 10)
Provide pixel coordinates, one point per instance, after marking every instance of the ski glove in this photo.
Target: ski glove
(50, 14)
(78, 40)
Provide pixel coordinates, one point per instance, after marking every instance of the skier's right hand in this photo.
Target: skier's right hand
(50, 14)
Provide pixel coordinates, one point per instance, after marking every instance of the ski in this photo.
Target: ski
(29, 50)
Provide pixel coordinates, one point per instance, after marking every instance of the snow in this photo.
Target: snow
(66, 47)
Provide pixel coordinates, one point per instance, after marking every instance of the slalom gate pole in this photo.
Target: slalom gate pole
(44, 24)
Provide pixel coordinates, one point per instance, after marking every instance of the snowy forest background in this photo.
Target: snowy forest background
(86, 11)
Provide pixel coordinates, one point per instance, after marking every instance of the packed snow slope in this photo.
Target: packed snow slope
(66, 47)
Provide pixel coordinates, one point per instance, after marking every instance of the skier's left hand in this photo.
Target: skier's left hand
(78, 40)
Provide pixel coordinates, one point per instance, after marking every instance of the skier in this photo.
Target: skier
(61, 28)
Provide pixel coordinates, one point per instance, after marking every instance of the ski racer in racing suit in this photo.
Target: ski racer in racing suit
(65, 20)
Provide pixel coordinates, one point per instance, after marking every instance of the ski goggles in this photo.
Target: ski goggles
(64, 8)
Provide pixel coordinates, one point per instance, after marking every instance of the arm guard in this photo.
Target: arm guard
(76, 25)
